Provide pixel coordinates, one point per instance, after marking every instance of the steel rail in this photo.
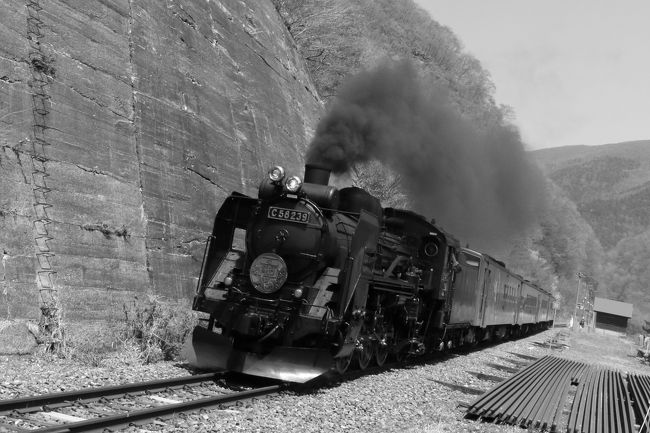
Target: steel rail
(552, 401)
(606, 421)
(35, 402)
(506, 392)
(133, 417)
(635, 394)
(537, 397)
(644, 381)
(577, 403)
(526, 402)
(618, 406)
(592, 398)
(589, 400)
(542, 395)
(594, 403)
(545, 398)
(638, 395)
(604, 396)
(580, 402)
(494, 397)
(578, 379)
(639, 387)
(598, 424)
(602, 403)
(514, 399)
(519, 400)
(629, 414)
(555, 406)
(604, 415)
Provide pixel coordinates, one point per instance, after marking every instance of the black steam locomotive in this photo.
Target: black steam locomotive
(307, 278)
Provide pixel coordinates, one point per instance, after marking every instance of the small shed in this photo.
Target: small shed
(610, 315)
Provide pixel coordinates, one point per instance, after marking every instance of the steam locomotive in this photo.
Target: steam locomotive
(307, 278)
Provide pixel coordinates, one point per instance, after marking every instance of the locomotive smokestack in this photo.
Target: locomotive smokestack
(317, 174)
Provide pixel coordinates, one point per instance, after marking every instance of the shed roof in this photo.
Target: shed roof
(613, 307)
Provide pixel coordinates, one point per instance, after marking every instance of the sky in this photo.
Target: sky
(574, 71)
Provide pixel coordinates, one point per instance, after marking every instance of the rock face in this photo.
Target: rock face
(123, 126)
(17, 337)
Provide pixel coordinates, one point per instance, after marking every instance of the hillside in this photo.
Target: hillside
(610, 187)
(612, 178)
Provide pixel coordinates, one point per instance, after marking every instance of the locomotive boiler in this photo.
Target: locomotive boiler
(307, 278)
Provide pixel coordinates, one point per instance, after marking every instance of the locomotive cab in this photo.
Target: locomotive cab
(429, 248)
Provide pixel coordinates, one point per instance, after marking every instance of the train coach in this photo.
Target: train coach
(489, 301)
(307, 278)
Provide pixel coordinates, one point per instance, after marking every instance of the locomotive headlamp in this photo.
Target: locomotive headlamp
(297, 293)
(268, 273)
(293, 184)
(276, 174)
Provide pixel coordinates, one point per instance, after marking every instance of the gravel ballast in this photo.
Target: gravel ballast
(405, 399)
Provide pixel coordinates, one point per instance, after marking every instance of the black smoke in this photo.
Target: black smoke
(478, 183)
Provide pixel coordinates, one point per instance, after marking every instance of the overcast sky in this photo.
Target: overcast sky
(575, 71)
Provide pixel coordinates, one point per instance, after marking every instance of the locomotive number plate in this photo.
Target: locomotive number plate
(296, 216)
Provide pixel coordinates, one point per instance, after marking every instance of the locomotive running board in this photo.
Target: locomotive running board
(210, 351)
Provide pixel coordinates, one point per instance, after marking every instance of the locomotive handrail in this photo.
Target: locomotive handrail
(286, 302)
(205, 256)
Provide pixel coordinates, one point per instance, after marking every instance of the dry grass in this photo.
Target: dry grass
(158, 327)
(150, 330)
(607, 350)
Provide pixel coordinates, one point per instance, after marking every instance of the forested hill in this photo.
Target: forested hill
(610, 187)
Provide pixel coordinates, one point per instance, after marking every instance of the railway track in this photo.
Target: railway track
(117, 406)
(120, 406)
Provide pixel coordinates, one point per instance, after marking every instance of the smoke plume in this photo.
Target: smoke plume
(478, 183)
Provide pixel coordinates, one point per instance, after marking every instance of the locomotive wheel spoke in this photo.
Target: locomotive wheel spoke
(400, 356)
(363, 355)
(381, 353)
(341, 364)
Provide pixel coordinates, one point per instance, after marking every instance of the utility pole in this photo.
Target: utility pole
(575, 309)
(591, 299)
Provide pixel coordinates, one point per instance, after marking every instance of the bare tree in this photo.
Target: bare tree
(381, 182)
